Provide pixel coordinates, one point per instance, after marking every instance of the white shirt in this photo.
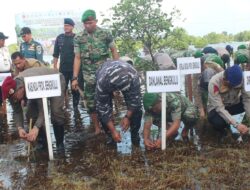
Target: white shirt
(5, 61)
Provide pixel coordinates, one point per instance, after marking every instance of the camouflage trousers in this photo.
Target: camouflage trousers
(190, 116)
(89, 78)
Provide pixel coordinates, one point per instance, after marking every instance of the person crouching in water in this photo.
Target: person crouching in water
(178, 108)
(120, 76)
(14, 90)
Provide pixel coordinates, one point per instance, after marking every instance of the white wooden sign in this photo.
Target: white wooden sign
(189, 65)
(246, 75)
(3, 76)
(42, 86)
(163, 81)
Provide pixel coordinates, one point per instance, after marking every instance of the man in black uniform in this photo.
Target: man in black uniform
(64, 47)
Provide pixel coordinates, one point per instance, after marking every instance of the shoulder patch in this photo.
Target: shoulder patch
(39, 49)
(216, 89)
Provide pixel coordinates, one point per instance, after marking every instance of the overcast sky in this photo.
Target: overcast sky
(201, 16)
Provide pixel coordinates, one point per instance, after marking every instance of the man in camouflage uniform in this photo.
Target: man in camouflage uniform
(22, 64)
(119, 76)
(178, 108)
(91, 49)
(30, 48)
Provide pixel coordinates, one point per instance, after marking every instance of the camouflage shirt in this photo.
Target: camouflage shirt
(116, 76)
(32, 49)
(93, 48)
(178, 107)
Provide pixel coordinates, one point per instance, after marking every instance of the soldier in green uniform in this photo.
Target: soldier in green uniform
(92, 48)
(178, 108)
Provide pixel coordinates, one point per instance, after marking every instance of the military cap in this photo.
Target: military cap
(2, 36)
(69, 21)
(8, 87)
(88, 15)
(25, 30)
(234, 75)
(149, 100)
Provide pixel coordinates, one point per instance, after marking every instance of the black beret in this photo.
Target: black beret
(69, 21)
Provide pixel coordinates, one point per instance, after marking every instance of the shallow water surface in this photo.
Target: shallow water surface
(88, 163)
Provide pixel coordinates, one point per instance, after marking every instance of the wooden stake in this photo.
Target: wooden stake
(29, 145)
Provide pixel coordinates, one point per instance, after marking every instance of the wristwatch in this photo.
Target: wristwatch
(236, 125)
(74, 78)
(127, 117)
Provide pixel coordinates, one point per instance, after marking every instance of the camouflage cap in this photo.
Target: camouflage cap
(242, 56)
(127, 59)
(88, 15)
(212, 58)
(198, 54)
(149, 99)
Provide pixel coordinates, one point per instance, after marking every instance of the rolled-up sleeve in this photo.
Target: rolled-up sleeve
(77, 49)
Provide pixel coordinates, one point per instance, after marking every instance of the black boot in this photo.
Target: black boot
(59, 135)
(110, 141)
(76, 98)
(135, 124)
(41, 140)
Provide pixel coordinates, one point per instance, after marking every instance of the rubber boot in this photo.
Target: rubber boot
(59, 135)
(110, 141)
(41, 140)
(76, 98)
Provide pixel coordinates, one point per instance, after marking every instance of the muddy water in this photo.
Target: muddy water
(88, 163)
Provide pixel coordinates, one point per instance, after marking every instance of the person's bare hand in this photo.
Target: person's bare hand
(149, 144)
(74, 84)
(243, 129)
(125, 123)
(157, 143)
(22, 133)
(116, 136)
(32, 135)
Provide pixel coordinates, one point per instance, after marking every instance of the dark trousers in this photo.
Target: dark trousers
(135, 124)
(75, 94)
(218, 122)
